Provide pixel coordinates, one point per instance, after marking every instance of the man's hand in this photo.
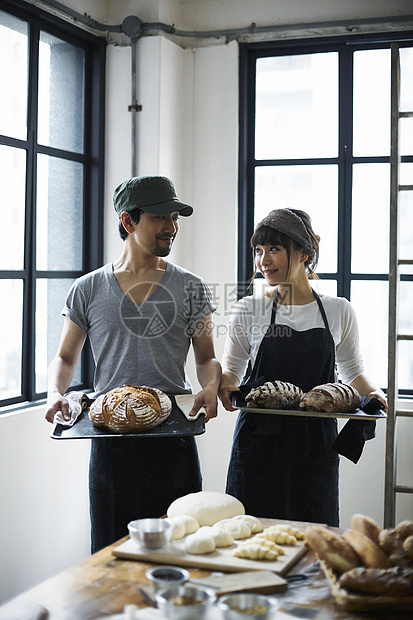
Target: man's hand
(56, 402)
(206, 398)
(224, 396)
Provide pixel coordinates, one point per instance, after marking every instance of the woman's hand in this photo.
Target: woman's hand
(379, 394)
(366, 388)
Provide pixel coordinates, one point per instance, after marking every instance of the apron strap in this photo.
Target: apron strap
(323, 312)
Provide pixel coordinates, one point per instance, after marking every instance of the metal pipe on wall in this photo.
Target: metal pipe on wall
(230, 33)
(134, 28)
(134, 47)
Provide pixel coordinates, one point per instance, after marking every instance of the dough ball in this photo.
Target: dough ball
(191, 524)
(253, 523)
(221, 537)
(237, 528)
(207, 507)
(198, 544)
(178, 528)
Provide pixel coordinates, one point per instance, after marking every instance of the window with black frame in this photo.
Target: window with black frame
(51, 187)
(315, 135)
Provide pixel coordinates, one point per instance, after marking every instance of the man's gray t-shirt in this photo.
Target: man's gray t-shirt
(145, 344)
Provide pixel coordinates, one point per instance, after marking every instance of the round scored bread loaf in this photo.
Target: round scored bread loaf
(369, 553)
(130, 408)
(331, 548)
(331, 398)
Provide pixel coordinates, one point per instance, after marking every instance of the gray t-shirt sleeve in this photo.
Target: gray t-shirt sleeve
(198, 304)
(75, 307)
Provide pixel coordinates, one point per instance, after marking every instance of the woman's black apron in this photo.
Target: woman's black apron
(283, 466)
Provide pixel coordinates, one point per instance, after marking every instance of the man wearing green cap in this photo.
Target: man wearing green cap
(141, 314)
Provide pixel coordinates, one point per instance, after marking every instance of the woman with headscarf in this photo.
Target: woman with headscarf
(285, 466)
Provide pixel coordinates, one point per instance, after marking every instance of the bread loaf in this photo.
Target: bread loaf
(367, 526)
(385, 568)
(130, 409)
(404, 529)
(331, 548)
(275, 395)
(408, 546)
(376, 581)
(331, 398)
(369, 553)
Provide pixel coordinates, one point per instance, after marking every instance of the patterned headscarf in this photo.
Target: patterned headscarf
(287, 222)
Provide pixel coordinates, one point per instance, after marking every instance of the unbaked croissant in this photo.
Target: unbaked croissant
(257, 550)
(277, 536)
(290, 529)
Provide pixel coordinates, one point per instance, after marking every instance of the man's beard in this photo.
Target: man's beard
(158, 251)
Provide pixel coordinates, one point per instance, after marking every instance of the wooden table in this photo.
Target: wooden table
(102, 585)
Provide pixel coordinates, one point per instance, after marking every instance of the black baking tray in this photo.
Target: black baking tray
(371, 410)
(176, 424)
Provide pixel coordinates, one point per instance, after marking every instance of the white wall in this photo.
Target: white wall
(44, 518)
(188, 129)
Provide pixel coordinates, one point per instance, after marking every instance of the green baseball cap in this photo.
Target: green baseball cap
(154, 195)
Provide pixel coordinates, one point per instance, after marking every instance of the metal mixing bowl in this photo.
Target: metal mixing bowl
(151, 533)
(232, 604)
(184, 602)
(163, 577)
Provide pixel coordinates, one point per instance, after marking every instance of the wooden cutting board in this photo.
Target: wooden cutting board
(258, 581)
(262, 581)
(222, 559)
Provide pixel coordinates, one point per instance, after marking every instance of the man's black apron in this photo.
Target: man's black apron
(134, 478)
(283, 466)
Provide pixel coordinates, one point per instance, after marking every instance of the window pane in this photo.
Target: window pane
(405, 308)
(59, 214)
(370, 218)
(405, 365)
(11, 294)
(297, 106)
(50, 297)
(61, 94)
(406, 79)
(13, 76)
(371, 103)
(406, 136)
(370, 300)
(405, 347)
(12, 199)
(406, 225)
(324, 287)
(310, 188)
